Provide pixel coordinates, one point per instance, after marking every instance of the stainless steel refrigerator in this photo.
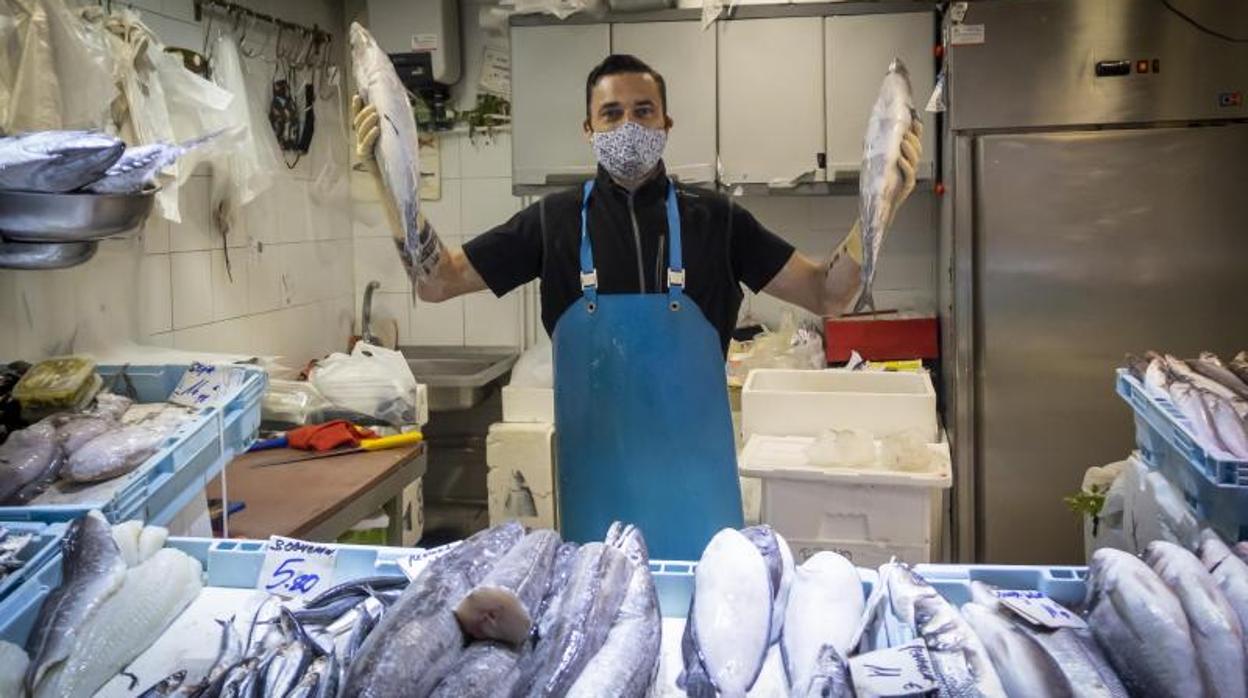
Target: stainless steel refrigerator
(1097, 162)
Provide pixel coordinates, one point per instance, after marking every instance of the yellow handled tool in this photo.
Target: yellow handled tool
(395, 441)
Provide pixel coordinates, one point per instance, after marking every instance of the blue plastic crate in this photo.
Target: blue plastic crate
(164, 484)
(1215, 488)
(49, 529)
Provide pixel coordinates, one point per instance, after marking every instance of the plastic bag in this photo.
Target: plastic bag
(84, 66)
(535, 368)
(292, 402)
(242, 172)
(1106, 528)
(843, 448)
(372, 380)
(33, 91)
(790, 346)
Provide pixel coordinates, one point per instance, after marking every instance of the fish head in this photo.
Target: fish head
(59, 161)
(364, 52)
(899, 67)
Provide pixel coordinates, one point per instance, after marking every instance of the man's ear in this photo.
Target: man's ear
(587, 130)
(668, 119)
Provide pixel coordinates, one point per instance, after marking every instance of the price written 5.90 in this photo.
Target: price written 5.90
(289, 577)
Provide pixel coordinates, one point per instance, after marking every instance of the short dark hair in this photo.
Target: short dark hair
(616, 64)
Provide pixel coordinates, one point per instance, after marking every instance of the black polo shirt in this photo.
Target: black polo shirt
(723, 246)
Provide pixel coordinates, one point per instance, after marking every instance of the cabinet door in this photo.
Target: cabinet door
(771, 100)
(685, 56)
(859, 49)
(548, 69)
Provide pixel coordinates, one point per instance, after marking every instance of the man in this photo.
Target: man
(640, 287)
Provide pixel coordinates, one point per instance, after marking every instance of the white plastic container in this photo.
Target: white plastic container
(521, 477)
(529, 405)
(782, 402)
(865, 512)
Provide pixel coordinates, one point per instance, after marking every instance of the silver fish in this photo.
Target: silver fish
(881, 176)
(92, 569)
(628, 661)
(29, 460)
(584, 612)
(825, 606)
(229, 653)
(1229, 572)
(565, 558)
(166, 686)
(780, 562)
(75, 431)
(11, 547)
(56, 161)
(502, 606)
(364, 624)
(419, 639)
(357, 588)
(243, 674)
(1024, 667)
(327, 687)
(308, 684)
(830, 678)
(1211, 367)
(1141, 626)
(1230, 429)
(1216, 632)
(291, 661)
(485, 669)
(113, 453)
(1239, 366)
(139, 165)
(728, 629)
(397, 149)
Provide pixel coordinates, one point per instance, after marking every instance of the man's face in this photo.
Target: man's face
(626, 97)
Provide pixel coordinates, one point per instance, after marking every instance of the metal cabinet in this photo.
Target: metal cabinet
(685, 56)
(549, 65)
(858, 50)
(771, 121)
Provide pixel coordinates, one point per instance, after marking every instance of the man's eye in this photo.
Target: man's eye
(644, 112)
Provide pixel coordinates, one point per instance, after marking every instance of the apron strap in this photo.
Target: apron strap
(676, 267)
(589, 275)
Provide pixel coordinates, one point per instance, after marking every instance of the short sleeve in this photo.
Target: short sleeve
(510, 254)
(757, 253)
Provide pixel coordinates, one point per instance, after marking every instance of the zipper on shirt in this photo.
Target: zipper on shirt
(632, 214)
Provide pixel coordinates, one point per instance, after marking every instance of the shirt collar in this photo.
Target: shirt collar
(654, 188)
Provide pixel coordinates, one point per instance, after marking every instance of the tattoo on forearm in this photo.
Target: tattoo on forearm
(421, 251)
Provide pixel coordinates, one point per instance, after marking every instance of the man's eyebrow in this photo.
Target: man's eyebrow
(608, 105)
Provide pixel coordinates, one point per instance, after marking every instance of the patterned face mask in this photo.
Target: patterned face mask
(631, 151)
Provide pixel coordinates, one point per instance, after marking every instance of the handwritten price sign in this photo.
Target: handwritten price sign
(1039, 609)
(296, 568)
(904, 670)
(206, 386)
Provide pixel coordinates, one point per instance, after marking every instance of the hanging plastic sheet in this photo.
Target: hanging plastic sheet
(33, 92)
(84, 66)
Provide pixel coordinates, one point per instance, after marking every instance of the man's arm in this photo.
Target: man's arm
(827, 288)
(442, 275)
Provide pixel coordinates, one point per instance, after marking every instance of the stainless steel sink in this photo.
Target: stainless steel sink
(458, 377)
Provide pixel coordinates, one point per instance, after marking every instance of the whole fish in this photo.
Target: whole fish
(561, 569)
(584, 613)
(357, 588)
(1183, 371)
(728, 628)
(243, 673)
(364, 624)
(780, 561)
(113, 453)
(825, 606)
(29, 459)
(881, 177)
(1229, 572)
(329, 612)
(92, 570)
(1215, 628)
(1211, 367)
(830, 678)
(397, 149)
(56, 161)
(229, 653)
(1230, 429)
(139, 165)
(1187, 398)
(502, 606)
(627, 662)
(418, 639)
(482, 671)
(1141, 626)
(73, 431)
(166, 686)
(1024, 667)
(327, 687)
(291, 661)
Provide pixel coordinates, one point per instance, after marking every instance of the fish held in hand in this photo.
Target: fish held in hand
(56, 161)
(881, 178)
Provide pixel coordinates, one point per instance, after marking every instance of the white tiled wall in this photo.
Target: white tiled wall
(289, 288)
(475, 196)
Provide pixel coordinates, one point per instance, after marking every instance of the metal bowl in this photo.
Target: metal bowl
(39, 217)
(45, 255)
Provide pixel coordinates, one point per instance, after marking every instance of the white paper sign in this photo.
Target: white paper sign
(412, 565)
(897, 671)
(424, 42)
(966, 34)
(294, 568)
(496, 72)
(206, 386)
(1039, 609)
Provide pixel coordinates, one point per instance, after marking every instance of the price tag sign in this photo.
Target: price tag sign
(1038, 609)
(206, 386)
(903, 670)
(294, 568)
(412, 565)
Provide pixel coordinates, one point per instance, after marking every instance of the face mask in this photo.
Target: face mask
(631, 151)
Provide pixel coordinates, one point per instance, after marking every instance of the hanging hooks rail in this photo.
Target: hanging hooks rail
(317, 34)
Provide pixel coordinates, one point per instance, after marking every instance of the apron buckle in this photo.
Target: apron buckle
(589, 279)
(676, 277)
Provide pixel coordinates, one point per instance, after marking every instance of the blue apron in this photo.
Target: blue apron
(641, 410)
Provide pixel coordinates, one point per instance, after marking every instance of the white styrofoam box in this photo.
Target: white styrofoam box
(784, 402)
(528, 404)
(520, 457)
(813, 503)
(861, 553)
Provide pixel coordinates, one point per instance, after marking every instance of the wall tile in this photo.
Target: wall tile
(377, 259)
(179, 9)
(449, 148)
(490, 321)
(486, 203)
(155, 295)
(298, 276)
(264, 278)
(196, 231)
(261, 216)
(444, 213)
(485, 157)
(292, 205)
(438, 324)
(155, 235)
(46, 312)
(163, 339)
(192, 288)
(229, 289)
(368, 220)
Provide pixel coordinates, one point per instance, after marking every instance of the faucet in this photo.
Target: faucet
(366, 314)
